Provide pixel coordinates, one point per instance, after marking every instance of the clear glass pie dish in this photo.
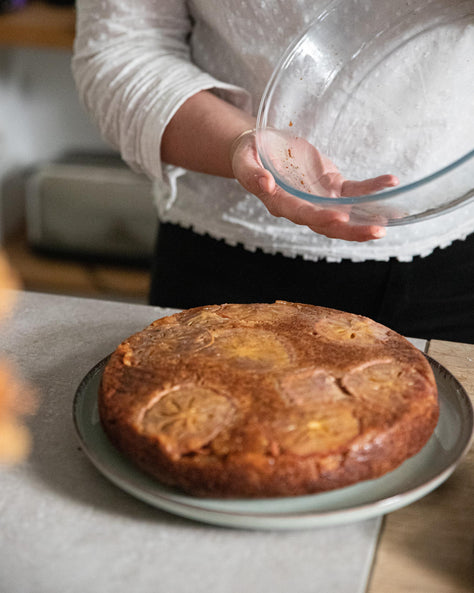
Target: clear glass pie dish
(378, 87)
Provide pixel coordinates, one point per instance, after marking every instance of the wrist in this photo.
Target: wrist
(244, 137)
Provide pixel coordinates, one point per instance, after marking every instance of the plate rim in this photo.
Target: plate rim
(184, 505)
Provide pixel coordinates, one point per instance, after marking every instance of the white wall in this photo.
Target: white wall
(40, 117)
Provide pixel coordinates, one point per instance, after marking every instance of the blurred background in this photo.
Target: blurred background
(73, 218)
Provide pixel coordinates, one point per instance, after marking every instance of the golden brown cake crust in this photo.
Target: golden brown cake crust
(266, 400)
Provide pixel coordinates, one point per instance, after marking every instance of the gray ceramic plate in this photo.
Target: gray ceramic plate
(412, 480)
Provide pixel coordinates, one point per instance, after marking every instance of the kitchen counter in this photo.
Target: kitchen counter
(66, 528)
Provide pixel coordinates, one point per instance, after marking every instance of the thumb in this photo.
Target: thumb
(266, 182)
(248, 169)
(261, 184)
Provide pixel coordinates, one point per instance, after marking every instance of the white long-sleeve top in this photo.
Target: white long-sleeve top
(135, 62)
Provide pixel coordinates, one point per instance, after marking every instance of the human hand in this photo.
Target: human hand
(325, 180)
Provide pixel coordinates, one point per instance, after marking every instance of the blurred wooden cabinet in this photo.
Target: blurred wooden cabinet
(38, 25)
(46, 26)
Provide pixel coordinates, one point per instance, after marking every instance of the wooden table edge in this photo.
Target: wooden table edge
(449, 564)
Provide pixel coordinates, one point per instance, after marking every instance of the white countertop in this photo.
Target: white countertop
(64, 528)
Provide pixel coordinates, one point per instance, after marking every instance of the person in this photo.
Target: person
(174, 86)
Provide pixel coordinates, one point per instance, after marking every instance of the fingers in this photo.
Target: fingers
(301, 212)
(332, 223)
(251, 174)
(368, 186)
(352, 232)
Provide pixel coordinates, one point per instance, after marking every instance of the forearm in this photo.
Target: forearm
(200, 134)
(132, 67)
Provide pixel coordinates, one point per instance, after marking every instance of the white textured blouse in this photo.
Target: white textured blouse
(136, 61)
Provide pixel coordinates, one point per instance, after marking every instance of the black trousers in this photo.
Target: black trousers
(430, 297)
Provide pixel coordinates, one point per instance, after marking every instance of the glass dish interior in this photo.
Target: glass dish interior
(378, 87)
